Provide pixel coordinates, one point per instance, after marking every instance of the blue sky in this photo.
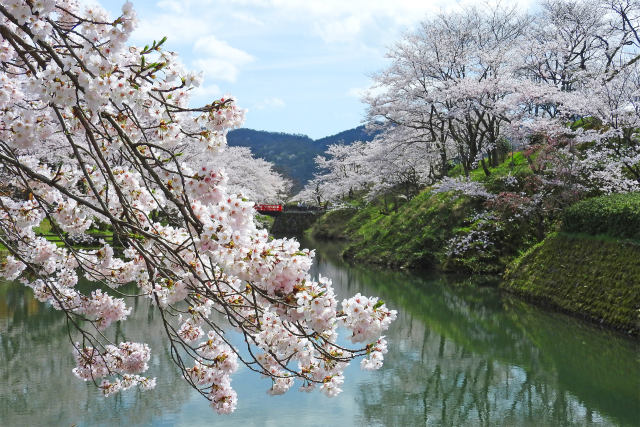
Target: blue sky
(298, 66)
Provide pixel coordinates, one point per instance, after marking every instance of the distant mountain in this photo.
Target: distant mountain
(292, 154)
(347, 137)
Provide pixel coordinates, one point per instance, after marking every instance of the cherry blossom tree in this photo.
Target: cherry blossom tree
(611, 161)
(448, 81)
(252, 178)
(562, 85)
(95, 131)
(344, 172)
(470, 84)
(370, 169)
(588, 52)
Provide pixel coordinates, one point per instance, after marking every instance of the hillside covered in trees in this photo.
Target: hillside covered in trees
(293, 154)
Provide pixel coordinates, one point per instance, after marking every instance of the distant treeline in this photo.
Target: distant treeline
(293, 154)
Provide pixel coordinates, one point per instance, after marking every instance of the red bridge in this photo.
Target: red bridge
(268, 208)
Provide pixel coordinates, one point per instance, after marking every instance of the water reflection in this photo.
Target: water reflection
(469, 356)
(458, 356)
(38, 388)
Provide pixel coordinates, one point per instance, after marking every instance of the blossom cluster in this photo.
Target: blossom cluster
(462, 186)
(124, 362)
(212, 370)
(95, 132)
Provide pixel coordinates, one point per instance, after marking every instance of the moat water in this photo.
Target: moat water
(458, 355)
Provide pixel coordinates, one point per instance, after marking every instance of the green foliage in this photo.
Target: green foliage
(515, 164)
(359, 133)
(292, 155)
(44, 227)
(480, 257)
(598, 278)
(586, 123)
(47, 230)
(293, 224)
(616, 215)
(265, 221)
(100, 233)
(413, 236)
(418, 233)
(333, 225)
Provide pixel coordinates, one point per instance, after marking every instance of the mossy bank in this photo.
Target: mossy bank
(416, 235)
(413, 236)
(593, 276)
(596, 277)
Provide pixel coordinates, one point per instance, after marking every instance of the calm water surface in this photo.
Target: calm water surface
(458, 356)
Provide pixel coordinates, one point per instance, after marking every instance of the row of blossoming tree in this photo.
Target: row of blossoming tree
(465, 87)
(94, 131)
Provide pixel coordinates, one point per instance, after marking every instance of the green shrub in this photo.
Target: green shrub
(616, 215)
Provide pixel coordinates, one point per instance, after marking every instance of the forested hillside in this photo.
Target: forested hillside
(292, 154)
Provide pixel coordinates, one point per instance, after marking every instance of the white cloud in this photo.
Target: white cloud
(218, 59)
(334, 21)
(171, 5)
(270, 103)
(216, 68)
(211, 46)
(294, 48)
(179, 29)
(340, 30)
(347, 21)
(303, 62)
(247, 19)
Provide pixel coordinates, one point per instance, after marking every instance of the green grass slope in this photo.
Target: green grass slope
(417, 233)
(414, 236)
(596, 277)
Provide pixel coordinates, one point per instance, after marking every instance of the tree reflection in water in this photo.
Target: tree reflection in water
(461, 355)
(458, 355)
(38, 388)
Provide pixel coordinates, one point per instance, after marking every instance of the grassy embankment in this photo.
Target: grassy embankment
(591, 267)
(414, 236)
(46, 230)
(588, 265)
(416, 233)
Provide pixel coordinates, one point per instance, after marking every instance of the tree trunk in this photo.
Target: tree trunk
(485, 168)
